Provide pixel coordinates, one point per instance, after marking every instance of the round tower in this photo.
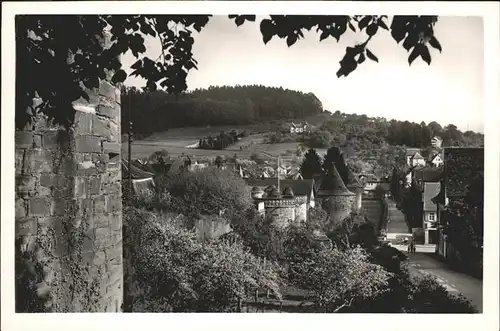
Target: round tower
(281, 208)
(335, 198)
(354, 186)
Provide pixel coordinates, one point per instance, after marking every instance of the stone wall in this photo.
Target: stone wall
(282, 212)
(301, 209)
(356, 206)
(337, 207)
(211, 228)
(69, 210)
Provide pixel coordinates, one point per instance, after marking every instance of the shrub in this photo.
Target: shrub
(204, 192)
(168, 270)
(320, 139)
(257, 158)
(340, 279)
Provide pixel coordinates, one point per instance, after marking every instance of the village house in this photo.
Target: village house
(142, 181)
(410, 152)
(300, 128)
(436, 159)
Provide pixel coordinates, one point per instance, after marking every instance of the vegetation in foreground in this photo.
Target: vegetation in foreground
(169, 270)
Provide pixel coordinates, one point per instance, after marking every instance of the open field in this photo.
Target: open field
(175, 141)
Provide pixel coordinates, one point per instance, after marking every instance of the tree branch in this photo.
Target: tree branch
(344, 305)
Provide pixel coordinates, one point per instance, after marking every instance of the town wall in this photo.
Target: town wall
(337, 207)
(68, 209)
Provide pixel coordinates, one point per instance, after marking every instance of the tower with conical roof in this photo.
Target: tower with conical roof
(334, 197)
(354, 186)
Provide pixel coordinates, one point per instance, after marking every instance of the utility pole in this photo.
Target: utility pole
(130, 144)
(278, 173)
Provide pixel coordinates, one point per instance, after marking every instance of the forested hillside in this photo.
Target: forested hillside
(225, 105)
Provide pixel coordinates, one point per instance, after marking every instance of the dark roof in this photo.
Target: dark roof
(298, 186)
(135, 172)
(428, 174)
(461, 167)
(430, 191)
(417, 156)
(412, 151)
(333, 185)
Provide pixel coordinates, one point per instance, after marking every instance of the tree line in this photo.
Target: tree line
(365, 132)
(223, 140)
(220, 105)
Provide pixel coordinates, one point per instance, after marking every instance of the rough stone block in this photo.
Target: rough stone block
(25, 183)
(19, 161)
(102, 232)
(87, 144)
(100, 204)
(59, 207)
(94, 185)
(83, 123)
(111, 176)
(99, 258)
(80, 187)
(24, 139)
(107, 90)
(26, 227)
(107, 111)
(115, 221)
(100, 127)
(51, 224)
(115, 274)
(39, 206)
(42, 191)
(37, 141)
(50, 139)
(114, 251)
(118, 96)
(113, 203)
(101, 242)
(100, 221)
(21, 208)
(37, 160)
(85, 206)
(100, 158)
(88, 244)
(88, 258)
(111, 148)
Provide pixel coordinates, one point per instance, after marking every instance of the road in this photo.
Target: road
(453, 281)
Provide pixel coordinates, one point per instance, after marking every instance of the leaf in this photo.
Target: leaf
(292, 39)
(424, 53)
(382, 24)
(119, 76)
(371, 56)
(324, 35)
(266, 29)
(413, 55)
(361, 58)
(352, 27)
(364, 22)
(239, 20)
(398, 33)
(372, 29)
(250, 18)
(435, 43)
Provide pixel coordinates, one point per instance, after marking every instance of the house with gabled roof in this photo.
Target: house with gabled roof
(300, 128)
(142, 181)
(417, 160)
(409, 154)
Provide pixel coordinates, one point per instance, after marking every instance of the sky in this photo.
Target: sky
(450, 90)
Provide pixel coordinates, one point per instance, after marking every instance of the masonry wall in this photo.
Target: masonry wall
(337, 208)
(69, 210)
(357, 204)
(282, 212)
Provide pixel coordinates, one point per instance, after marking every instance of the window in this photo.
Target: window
(432, 217)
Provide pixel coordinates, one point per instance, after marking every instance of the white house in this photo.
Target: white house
(417, 160)
(437, 160)
(299, 128)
